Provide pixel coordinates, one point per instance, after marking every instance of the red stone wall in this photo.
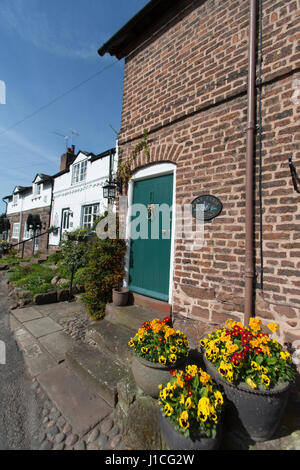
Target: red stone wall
(188, 88)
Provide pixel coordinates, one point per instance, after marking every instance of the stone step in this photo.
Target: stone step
(131, 316)
(101, 371)
(113, 338)
(154, 304)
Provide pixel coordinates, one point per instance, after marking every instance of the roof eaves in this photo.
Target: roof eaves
(111, 151)
(118, 45)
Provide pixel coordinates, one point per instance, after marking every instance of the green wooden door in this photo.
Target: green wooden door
(149, 271)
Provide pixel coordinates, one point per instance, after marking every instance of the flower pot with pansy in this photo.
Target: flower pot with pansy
(254, 372)
(158, 348)
(191, 410)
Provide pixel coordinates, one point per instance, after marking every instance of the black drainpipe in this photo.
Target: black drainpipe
(50, 211)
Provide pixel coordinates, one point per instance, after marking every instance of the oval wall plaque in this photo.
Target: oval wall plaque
(212, 206)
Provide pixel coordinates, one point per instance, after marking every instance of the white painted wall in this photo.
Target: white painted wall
(76, 196)
(27, 201)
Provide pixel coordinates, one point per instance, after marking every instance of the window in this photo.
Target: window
(27, 233)
(16, 230)
(89, 215)
(15, 198)
(36, 189)
(79, 172)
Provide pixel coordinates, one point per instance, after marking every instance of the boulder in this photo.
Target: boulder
(46, 298)
(22, 293)
(62, 282)
(55, 280)
(4, 267)
(63, 295)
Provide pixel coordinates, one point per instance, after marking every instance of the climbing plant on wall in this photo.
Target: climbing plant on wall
(124, 171)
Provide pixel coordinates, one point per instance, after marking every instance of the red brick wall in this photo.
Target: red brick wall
(44, 214)
(188, 88)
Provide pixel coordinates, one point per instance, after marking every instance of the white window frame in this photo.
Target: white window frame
(37, 189)
(27, 233)
(16, 230)
(92, 216)
(79, 172)
(15, 198)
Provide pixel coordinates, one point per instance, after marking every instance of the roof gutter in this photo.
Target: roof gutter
(249, 220)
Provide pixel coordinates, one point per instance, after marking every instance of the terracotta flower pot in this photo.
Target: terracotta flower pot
(120, 296)
(253, 413)
(197, 441)
(149, 375)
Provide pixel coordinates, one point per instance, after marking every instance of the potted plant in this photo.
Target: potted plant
(254, 372)
(191, 406)
(4, 247)
(158, 348)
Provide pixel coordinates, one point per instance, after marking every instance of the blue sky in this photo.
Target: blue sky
(47, 48)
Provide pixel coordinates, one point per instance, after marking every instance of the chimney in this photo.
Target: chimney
(67, 158)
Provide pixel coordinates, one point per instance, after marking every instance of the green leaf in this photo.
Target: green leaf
(259, 359)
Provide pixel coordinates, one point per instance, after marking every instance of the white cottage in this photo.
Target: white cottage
(77, 198)
(25, 204)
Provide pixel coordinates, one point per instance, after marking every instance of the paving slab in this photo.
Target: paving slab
(27, 314)
(42, 326)
(60, 307)
(14, 324)
(81, 407)
(35, 358)
(39, 363)
(24, 338)
(57, 344)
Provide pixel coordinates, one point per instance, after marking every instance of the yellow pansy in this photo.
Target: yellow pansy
(205, 378)
(265, 380)
(218, 398)
(182, 399)
(162, 360)
(251, 383)
(255, 324)
(192, 370)
(188, 403)
(168, 410)
(255, 365)
(184, 420)
(173, 358)
(272, 327)
(169, 332)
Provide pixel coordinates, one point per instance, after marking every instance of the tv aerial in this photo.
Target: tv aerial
(73, 132)
(66, 137)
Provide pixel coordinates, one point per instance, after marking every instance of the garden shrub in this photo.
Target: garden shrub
(74, 254)
(105, 270)
(55, 257)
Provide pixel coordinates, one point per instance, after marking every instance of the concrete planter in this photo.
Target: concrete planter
(176, 441)
(149, 375)
(120, 296)
(254, 414)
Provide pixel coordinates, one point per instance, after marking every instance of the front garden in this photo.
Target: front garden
(83, 265)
